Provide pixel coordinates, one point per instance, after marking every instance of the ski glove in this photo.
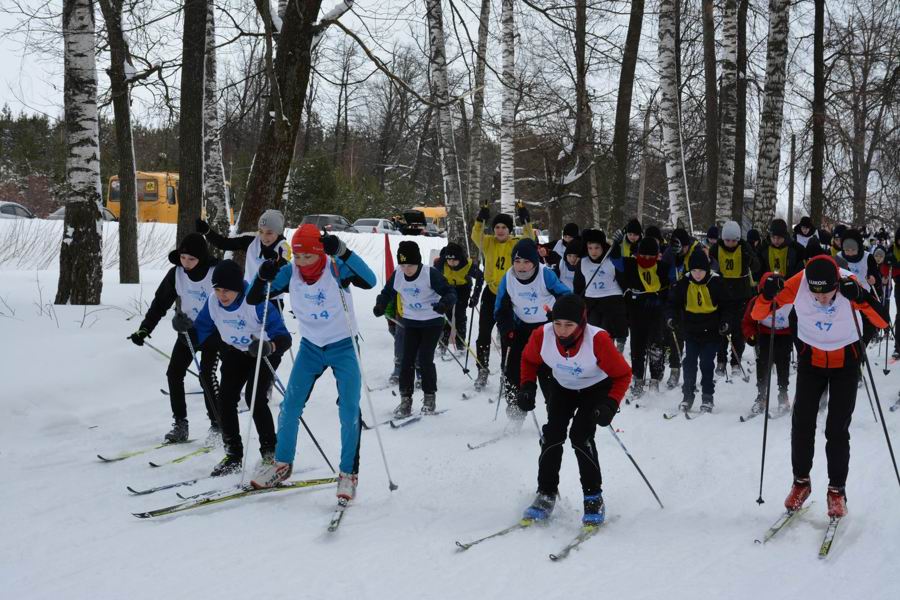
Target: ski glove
(605, 411)
(527, 393)
(263, 347)
(618, 236)
(334, 246)
(201, 226)
(138, 336)
(773, 285)
(268, 270)
(441, 307)
(378, 310)
(524, 215)
(181, 322)
(850, 289)
(724, 328)
(484, 214)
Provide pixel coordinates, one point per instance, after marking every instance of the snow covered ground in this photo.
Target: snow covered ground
(73, 387)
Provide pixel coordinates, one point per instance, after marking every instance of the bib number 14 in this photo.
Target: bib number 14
(321, 315)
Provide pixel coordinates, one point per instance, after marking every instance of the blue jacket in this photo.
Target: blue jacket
(351, 270)
(503, 311)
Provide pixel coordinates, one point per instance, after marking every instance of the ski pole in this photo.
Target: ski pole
(262, 332)
(166, 356)
(456, 358)
(887, 436)
(538, 427)
(210, 395)
(887, 337)
(634, 462)
(762, 467)
(740, 362)
(362, 374)
(280, 387)
(868, 393)
(469, 340)
(502, 383)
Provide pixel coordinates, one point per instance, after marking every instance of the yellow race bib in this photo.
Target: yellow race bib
(698, 299)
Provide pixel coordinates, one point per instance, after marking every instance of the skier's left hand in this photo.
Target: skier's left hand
(181, 322)
(618, 235)
(138, 336)
(268, 271)
(263, 347)
(334, 246)
(850, 289)
(441, 307)
(605, 411)
(526, 396)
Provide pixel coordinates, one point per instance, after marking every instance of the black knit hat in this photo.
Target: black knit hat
(753, 236)
(408, 253)
(779, 228)
(698, 260)
(195, 245)
(502, 219)
(228, 275)
(574, 247)
(453, 250)
(821, 274)
(593, 236)
(634, 226)
(654, 232)
(526, 249)
(806, 222)
(713, 233)
(571, 229)
(570, 307)
(838, 231)
(648, 247)
(682, 236)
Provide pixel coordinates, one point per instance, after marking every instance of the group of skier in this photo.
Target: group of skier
(563, 310)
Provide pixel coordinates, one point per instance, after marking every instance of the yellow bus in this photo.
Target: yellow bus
(157, 194)
(435, 214)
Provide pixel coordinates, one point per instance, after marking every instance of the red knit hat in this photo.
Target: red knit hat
(307, 240)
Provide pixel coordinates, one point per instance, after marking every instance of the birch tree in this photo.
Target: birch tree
(712, 111)
(508, 110)
(80, 266)
(727, 110)
(449, 169)
(214, 193)
(476, 134)
(669, 113)
(769, 161)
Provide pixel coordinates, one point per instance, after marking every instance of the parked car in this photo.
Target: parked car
(14, 210)
(60, 213)
(431, 230)
(375, 226)
(329, 223)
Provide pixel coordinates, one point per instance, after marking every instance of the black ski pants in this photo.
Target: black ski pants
(702, 352)
(610, 314)
(179, 363)
(463, 292)
(781, 360)
(896, 284)
(575, 406)
(418, 348)
(735, 311)
(646, 341)
(485, 327)
(811, 384)
(238, 370)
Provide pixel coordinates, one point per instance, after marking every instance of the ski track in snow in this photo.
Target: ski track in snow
(71, 391)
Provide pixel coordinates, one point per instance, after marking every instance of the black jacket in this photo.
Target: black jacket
(703, 327)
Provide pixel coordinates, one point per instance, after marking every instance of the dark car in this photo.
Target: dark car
(329, 223)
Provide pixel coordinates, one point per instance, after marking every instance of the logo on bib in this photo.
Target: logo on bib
(238, 324)
(573, 369)
(317, 299)
(413, 291)
(530, 295)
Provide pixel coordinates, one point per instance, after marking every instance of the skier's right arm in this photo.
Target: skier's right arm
(162, 301)
(241, 242)
(203, 324)
(280, 285)
(531, 357)
(763, 306)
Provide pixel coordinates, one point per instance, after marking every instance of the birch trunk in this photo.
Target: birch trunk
(190, 123)
(508, 111)
(727, 110)
(80, 260)
(214, 192)
(669, 113)
(712, 111)
(772, 113)
(121, 99)
(476, 136)
(740, 127)
(456, 224)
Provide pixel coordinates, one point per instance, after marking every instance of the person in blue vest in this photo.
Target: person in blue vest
(526, 293)
(319, 283)
(427, 298)
(238, 324)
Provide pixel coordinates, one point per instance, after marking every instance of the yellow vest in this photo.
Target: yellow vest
(698, 299)
(627, 248)
(896, 249)
(730, 262)
(649, 279)
(687, 260)
(778, 259)
(497, 255)
(834, 251)
(457, 277)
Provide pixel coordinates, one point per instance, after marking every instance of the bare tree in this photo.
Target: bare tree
(740, 126)
(508, 114)
(728, 110)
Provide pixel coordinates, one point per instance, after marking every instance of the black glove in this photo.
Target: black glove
(138, 336)
(201, 226)
(334, 246)
(263, 347)
(181, 322)
(268, 270)
(441, 307)
(378, 310)
(724, 328)
(675, 245)
(526, 396)
(605, 411)
(670, 323)
(773, 285)
(850, 289)
(484, 214)
(524, 216)
(618, 236)
(473, 301)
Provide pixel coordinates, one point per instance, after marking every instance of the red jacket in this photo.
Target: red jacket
(608, 358)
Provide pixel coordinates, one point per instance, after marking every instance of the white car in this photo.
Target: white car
(60, 214)
(14, 210)
(375, 226)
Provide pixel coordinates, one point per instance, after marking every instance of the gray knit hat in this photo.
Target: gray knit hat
(272, 219)
(731, 231)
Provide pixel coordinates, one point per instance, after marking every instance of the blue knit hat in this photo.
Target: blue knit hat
(527, 249)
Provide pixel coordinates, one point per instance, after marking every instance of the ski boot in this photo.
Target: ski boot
(442, 352)
(594, 509)
(759, 405)
(228, 465)
(686, 403)
(837, 502)
(800, 491)
(674, 376)
(541, 508)
(637, 388)
(707, 405)
(895, 355)
(720, 369)
(404, 409)
(346, 487)
(481, 380)
(784, 401)
(179, 433)
(428, 404)
(653, 386)
(270, 475)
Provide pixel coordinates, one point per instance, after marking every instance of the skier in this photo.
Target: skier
(426, 297)
(569, 234)
(804, 231)
(527, 292)
(678, 254)
(633, 235)
(602, 293)
(187, 285)
(780, 254)
(589, 378)
(757, 332)
(497, 250)
(697, 301)
(863, 266)
(712, 237)
(238, 323)
(467, 279)
(267, 243)
(836, 235)
(826, 302)
(735, 262)
(569, 269)
(319, 282)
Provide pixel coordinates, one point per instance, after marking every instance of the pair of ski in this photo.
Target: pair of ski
(174, 461)
(788, 517)
(586, 532)
(399, 422)
(772, 416)
(689, 415)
